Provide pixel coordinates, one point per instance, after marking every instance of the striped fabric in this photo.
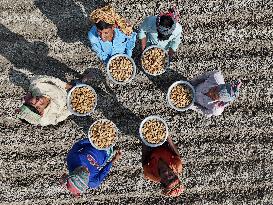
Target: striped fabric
(78, 180)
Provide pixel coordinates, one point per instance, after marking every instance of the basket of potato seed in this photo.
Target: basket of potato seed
(153, 131)
(181, 95)
(154, 60)
(121, 69)
(103, 134)
(81, 100)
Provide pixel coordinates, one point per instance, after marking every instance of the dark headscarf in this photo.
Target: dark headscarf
(163, 30)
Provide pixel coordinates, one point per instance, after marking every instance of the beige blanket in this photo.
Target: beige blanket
(54, 88)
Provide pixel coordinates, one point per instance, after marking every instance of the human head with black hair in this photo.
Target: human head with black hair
(166, 21)
(33, 108)
(169, 181)
(38, 103)
(165, 26)
(106, 17)
(105, 30)
(103, 25)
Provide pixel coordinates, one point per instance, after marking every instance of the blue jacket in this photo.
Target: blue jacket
(121, 44)
(80, 155)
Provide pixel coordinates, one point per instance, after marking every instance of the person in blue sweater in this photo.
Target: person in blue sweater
(111, 34)
(87, 166)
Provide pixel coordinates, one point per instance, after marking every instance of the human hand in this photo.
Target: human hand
(171, 53)
(27, 97)
(220, 104)
(117, 156)
(68, 86)
(143, 47)
(63, 180)
(169, 139)
(128, 23)
(143, 43)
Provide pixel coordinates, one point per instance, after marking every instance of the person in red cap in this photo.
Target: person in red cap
(163, 165)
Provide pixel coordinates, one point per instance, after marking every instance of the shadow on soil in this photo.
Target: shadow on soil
(70, 17)
(126, 121)
(32, 56)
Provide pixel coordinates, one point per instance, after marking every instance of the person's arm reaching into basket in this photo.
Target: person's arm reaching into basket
(98, 177)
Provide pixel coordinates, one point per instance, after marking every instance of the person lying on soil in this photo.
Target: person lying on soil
(87, 166)
(163, 165)
(111, 34)
(212, 94)
(162, 30)
(45, 103)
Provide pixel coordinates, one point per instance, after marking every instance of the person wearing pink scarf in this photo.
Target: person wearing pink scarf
(212, 94)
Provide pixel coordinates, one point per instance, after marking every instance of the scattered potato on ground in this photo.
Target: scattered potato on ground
(103, 134)
(154, 131)
(121, 68)
(181, 96)
(154, 61)
(83, 100)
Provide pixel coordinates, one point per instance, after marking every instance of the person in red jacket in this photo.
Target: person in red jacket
(163, 165)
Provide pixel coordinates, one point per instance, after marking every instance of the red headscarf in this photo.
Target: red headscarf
(172, 12)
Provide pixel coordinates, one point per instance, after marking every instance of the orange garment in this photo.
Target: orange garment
(109, 15)
(151, 170)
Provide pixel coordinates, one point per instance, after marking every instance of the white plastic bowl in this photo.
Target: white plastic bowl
(143, 138)
(167, 60)
(185, 83)
(110, 75)
(90, 139)
(68, 101)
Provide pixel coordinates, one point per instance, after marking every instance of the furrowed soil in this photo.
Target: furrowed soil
(227, 159)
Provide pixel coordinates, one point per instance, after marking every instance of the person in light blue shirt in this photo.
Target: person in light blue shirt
(107, 40)
(162, 30)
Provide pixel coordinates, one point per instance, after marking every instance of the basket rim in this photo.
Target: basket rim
(109, 73)
(141, 126)
(169, 93)
(68, 100)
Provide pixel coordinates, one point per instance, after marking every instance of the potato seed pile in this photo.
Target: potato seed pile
(121, 68)
(103, 133)
(154, 61)
(154, 131)
(181, 96)
(83, 100)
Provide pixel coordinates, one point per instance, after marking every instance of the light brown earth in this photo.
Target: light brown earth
(227, 159)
